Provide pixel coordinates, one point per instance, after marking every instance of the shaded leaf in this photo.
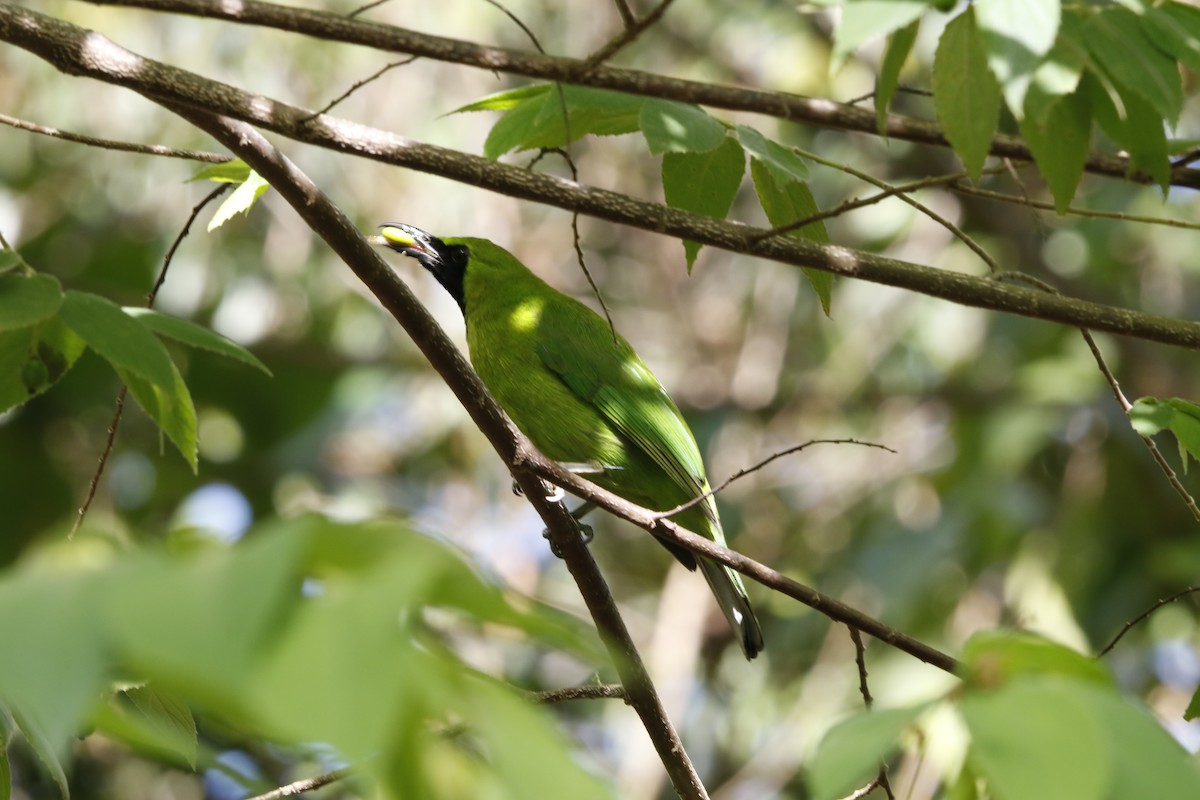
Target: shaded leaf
(1060, 144)
(27, 299)
(703, 183)
(853, 751)
(1135, 126)
(118, 338)
(155, 720)
(1039, 738)
(1175, 28)
(1059, 73)
(900, 44)
(788, 202)
(965, 95)
(190, 333)
(673, 127)
(538, 120)
(1116, 39)
(44, 748)
(170, 408)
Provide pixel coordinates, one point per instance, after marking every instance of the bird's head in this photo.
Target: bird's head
(447, 262)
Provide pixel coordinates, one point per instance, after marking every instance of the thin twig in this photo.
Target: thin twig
(102, 462)
(856, 203)
(359, 84)
(741, 473)
(25, 266)
(924, 209)
(860, 661)
(1128, 625)
(627, 15)
(517, 21)
(1073, 210)
(365, 8)
(626, 37)
(112, 144)
(305, 785)
(857, 794)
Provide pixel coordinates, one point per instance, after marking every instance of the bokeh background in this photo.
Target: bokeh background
(1017, 495)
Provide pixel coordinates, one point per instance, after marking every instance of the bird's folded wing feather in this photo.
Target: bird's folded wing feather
(613, 380)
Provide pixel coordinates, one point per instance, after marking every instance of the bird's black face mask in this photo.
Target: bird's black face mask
(447, 263)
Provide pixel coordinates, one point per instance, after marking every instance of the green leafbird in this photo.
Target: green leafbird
(583, 398)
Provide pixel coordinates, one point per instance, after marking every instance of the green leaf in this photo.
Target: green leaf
(1117, 41)
(863, 20)
(170, 408)
(965, 95)
(703, 183)
(1175, 28)
(1193, 708)
(900, 44)
(538, 121)
(1016, 34)
(240, 201)
(1135, 126)
(154, 719)
(5, 776)
(853, 751)
(784, 164)
(673, 127)
(118, 338)
(992, 658)
(26, 299)
(33, 359)
(508, 99)
(1060, 144)
(1039, 738)
(8, 260)
(1151, 415)
(45, 748)
(190, 333)
(786, 202)
(1147, 761)
(235, 171)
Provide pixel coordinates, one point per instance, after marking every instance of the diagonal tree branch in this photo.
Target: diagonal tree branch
(796, 108)
(80, 52)
(323, 217)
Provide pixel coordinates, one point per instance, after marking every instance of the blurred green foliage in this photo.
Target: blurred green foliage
(1019, 494)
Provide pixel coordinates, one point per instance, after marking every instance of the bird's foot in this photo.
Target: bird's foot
(517, 490)
(556, 494)
(586, 534)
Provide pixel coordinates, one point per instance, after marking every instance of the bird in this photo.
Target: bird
(580, 393)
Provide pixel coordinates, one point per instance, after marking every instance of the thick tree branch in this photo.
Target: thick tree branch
(796, 108)
(323, 217)
(77, 51)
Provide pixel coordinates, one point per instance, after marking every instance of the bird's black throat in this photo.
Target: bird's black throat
(450, 269)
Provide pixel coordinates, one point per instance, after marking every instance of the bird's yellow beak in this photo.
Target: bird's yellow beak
(398, 236)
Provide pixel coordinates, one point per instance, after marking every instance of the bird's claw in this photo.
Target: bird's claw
(517, 490)
(586, 535)
(556, 495)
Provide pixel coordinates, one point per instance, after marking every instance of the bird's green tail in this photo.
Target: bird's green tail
(731, 596)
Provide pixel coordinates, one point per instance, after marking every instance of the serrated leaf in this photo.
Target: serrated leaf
(784, 164)
(788, 202)
(965, 95)
(1175, 28)
(243, 197)
(1038, 738)
(673, 127)
(167, 719)
(27, 299)
(1060, 144)
(235, 171)
(900, 44)
(853, 751)
(189, 333)
(117, 337)
(1016, 34)
(703, 183)
(864, 20)
(508, 99)
(170, 407)
(1117, 41)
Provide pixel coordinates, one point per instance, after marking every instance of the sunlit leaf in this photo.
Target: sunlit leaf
(240, 202)
(1016, 34)
(853, 751)
(235, 171)
(672, 127)
(864, 20)
(1152, 415)
(190, 333)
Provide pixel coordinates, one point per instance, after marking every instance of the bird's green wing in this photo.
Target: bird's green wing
(614, 380)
